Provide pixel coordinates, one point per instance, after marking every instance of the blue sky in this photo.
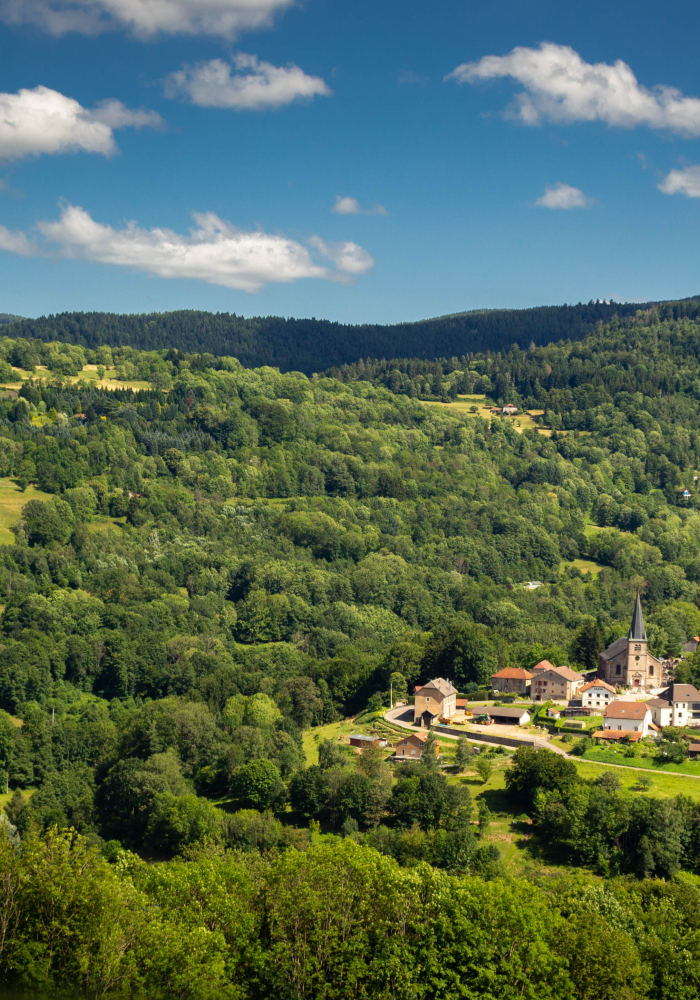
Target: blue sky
(189, 154)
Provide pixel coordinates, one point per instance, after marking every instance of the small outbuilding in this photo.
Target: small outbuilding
(360, 740)
(509, 716)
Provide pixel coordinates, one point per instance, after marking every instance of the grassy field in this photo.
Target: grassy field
(585, 565)
(520, 851)
(4, 799)
(463, 405)
(102, 523)
(12, 499)
(88, 374)
(663, 784)
(610, 756)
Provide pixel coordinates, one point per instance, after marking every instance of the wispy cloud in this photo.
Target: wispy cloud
(41, 120)
(561, 87)
(345, 205)
(248, 85)
(408, 76)
(144, 18)
(562, 196)
(214, 251)
(685, 181)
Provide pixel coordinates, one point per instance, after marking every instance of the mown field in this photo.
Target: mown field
(12, 499)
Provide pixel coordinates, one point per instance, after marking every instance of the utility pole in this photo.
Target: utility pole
(391, 695)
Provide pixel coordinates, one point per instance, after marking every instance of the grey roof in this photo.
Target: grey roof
(659, 703)
(614, 649)
(680, 692)
(637, 631)
(510, 713)
(440, 684)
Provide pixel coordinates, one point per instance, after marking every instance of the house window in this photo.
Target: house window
(619, 727)
(651, 671)
(427, 699)
(413, 753)
(618, 669)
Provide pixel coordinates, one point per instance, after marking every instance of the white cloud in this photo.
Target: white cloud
(562, 196)
(345, 205)
(253, 86)
(114, 114)
(17, 242)
(348, 257)
(214, 251)
(144, 18)
(41, 120)
(685, 181)
(561, 88)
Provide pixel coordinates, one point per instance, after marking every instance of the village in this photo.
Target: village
(630, 700)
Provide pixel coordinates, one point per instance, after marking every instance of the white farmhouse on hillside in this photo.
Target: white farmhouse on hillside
(678, 705)
(628, 717)
(597, 694)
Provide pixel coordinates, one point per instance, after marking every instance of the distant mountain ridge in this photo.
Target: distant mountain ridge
(311, 345)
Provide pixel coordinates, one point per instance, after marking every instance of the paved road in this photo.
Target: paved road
(394, 716)
(403, 717)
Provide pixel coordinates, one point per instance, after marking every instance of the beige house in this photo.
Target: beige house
(627, 661)
(556, 684)
(511, 680)
(628, 717)
(597, 694)
(412, 747)
(434, 701)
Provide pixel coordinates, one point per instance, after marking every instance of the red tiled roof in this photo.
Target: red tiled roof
(616, 734)
(512, 673)
(635, 710)
(597, 684)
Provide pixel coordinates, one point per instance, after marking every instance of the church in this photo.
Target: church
(628, 662)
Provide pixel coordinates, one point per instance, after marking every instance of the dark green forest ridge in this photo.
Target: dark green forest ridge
(311, 345)
(217, 564)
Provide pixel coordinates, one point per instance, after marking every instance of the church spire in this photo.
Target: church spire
(637, 631)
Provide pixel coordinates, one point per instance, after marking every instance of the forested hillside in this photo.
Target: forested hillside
(209, 567)
(310, 345)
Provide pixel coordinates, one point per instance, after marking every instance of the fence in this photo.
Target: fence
(506, 741)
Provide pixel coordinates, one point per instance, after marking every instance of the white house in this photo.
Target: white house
(628, 717)
(678, 705)
(597, 694)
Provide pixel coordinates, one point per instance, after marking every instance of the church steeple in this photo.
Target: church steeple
(637, 631)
